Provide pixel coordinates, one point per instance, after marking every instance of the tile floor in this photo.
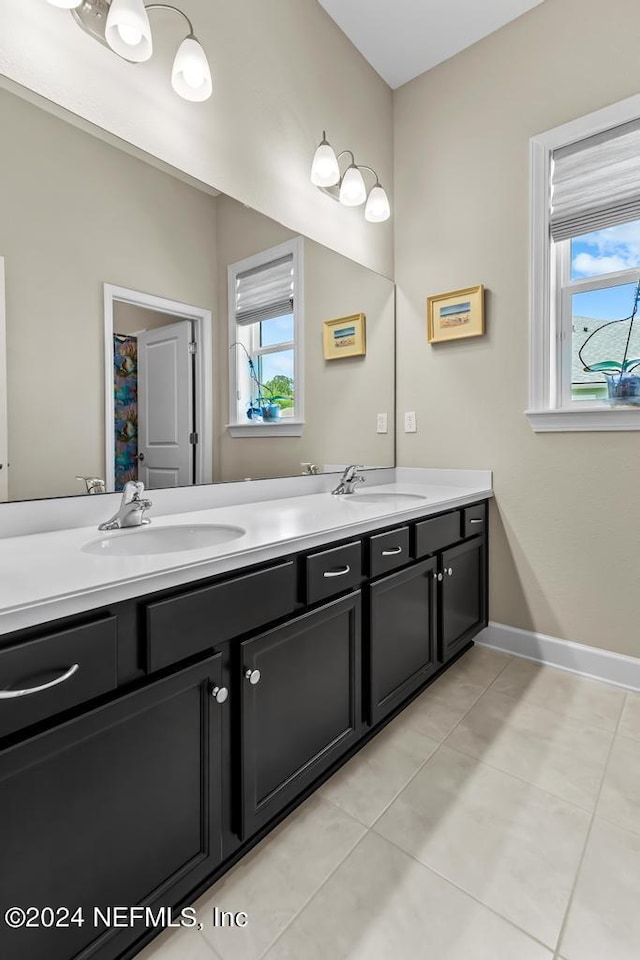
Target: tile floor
(498, 818)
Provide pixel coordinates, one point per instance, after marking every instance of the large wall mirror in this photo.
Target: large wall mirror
(155, 330)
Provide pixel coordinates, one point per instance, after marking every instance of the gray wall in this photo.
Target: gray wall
(564, 554)
(129, 225)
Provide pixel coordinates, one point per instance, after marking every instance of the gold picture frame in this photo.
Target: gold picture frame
(456, 315)
(344, 337)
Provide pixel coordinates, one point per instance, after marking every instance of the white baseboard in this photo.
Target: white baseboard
(565, 654)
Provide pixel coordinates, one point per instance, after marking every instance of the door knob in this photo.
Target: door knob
(219, 694)
(253, 676)
(141, 457)
(439, 577)
(449, 572)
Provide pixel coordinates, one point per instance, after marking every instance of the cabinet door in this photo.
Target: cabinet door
(120, 807)
(402, 650)
(463, 595)
(301, 695)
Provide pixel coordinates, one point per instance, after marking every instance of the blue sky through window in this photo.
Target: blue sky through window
(606, 251)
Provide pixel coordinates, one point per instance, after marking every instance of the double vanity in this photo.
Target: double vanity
(169, 693)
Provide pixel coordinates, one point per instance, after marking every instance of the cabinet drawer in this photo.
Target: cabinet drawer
(388, 551)
(43, 677)
(183, 626)
(474, 520)
(333, 571)
(437, 533)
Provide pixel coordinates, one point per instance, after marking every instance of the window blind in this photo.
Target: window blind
(596, 182)
(265, 292)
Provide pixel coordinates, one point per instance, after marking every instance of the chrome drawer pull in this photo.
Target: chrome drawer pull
(476, 521)
(14, 694)
(392, 553)
(337, 573)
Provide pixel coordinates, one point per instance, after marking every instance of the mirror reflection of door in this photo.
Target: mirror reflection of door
(154, 398)
(4, 444)
(166, 456)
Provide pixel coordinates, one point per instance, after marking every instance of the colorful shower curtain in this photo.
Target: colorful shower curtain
(125, 379)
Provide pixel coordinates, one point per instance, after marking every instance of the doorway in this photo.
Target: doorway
(158, 391)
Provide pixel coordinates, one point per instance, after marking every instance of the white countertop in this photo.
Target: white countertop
(44, 576)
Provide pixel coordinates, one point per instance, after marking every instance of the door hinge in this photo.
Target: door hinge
(193, 347)
(193, 438)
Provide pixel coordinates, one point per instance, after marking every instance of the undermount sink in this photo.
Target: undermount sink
(385, 497)
(143, 541)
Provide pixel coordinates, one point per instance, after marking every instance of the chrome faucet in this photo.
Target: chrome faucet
(131, 510)
(348, 480)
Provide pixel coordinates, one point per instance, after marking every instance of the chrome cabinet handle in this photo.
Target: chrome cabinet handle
(439, 577)
(14, 694)
(476, 521)
(337, 573)
(393, 552)
(253, 676)
(219, 694)
(449, 572)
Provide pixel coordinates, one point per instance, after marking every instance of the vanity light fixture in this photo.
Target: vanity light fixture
(123, 26)
(348, 187)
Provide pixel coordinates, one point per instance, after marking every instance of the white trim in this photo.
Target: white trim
(296, 249)
(4, 395)
(595, 418)
(576, 658)
(204, 380)
(544, 389)
(280, 428)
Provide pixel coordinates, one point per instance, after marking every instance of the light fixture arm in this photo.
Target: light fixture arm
(344, 154)
(363, 166)
(167, 6)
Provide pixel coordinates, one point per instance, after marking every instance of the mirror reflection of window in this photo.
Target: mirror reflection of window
(265, 359)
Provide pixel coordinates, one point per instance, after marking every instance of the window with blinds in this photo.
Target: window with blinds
(266, 364)
(594, 226)
(595, 183)
(265, 292)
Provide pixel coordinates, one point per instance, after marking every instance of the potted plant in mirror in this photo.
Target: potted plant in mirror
(623, 385)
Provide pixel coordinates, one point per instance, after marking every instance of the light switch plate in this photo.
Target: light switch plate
(410, 423)
(382, 423)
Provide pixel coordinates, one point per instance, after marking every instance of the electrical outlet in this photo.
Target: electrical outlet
(410, 424)
(382, 423)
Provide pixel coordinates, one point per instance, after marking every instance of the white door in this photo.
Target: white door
(4, 443)
(165, 406)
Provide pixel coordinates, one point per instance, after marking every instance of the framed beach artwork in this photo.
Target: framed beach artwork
(455, 316)
(344, 337)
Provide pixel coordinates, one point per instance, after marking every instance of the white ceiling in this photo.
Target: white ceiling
(403, 38)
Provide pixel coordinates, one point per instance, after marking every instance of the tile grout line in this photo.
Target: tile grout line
(574, 886)
(440, 744)
(576, 719)
(367, 830)
(514, 776)
(316, 892)
(466, 893)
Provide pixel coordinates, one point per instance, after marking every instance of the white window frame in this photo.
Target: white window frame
(289, 426)
(549, 409)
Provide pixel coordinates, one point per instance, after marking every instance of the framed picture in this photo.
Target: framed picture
(455, 316)
(344, 337)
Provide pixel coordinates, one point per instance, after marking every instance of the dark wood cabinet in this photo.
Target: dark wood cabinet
(118, 807)
(300, 705)
(158, 737)
(402, 649)
(463, 595)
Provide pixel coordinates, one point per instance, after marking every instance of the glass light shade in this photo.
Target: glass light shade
(127, 30)
(377, 209)
(325, 171)
(66, 4)
(352, 190)
(191, 74)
